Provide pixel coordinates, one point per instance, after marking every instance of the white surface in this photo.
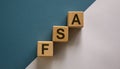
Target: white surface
(96, 46)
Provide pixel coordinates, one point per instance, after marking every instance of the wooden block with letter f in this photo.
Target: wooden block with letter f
(60, 33)
(45, 48)
(75, 19)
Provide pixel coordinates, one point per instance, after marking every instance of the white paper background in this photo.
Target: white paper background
(96, 46)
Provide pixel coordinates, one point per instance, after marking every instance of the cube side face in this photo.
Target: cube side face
(60, 33)
(45, 48)
(75, 19)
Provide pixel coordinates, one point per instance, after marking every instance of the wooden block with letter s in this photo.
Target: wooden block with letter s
(75, 19)
(60, 33)
(45, 48)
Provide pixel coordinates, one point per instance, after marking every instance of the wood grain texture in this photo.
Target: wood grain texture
(75, 19)
(60, 33)
(45, 48)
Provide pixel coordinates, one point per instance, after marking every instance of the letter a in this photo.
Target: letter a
(76, 19)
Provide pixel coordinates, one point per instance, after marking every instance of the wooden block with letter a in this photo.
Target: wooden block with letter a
(45, 48)
(60, 33)
(75, 19)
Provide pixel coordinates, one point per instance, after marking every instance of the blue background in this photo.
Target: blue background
(24, 22)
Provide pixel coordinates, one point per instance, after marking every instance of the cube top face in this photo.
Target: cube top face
(75, 19)
(39, 42)
(60, 33)
(45, 48)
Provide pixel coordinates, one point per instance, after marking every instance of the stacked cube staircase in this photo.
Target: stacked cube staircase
(75, 19)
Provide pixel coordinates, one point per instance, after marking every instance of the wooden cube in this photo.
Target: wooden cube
(75, 19)
(60, 33)
(45, 48)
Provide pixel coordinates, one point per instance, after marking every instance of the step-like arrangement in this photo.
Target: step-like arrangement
(75, 19)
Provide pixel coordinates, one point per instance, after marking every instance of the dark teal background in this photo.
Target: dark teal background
(24, 22)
